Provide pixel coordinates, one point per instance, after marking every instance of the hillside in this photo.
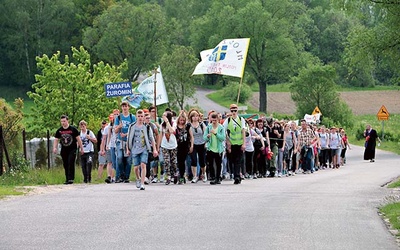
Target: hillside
(360, 102)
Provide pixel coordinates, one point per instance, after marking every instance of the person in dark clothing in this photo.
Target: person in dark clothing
(69, 138)
(371, 137)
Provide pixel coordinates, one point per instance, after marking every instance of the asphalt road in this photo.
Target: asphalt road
(201, 99)
(330, 209)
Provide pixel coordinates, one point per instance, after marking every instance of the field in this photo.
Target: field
(360, 102)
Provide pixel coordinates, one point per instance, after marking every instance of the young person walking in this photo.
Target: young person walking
(69, 138)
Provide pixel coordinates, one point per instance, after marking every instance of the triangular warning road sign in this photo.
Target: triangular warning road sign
(383, 113)
(316, 111)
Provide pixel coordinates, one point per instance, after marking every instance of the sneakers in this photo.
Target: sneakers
(181, 181)
(237, 181)
(146, 181)
(204, 178)
(108, 180)
(194, 180)
(279, 174)
(155, 180)
(162, 178)
(142, 187)
(126, 181)
(168, 181)
(138, 184)
(175, 179)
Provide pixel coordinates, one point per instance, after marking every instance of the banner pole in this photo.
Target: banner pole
(155, 89)
(240, 85)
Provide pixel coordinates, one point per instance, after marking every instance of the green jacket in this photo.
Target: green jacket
(220, 137)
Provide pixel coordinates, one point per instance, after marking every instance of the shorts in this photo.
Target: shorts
(108, 156)
(102, 159)
(140, 158)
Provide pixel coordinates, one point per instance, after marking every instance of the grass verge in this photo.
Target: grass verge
(8, 190)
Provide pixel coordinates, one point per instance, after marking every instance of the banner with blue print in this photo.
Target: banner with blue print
(118, 89)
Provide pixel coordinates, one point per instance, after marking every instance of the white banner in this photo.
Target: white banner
(227, 58)
(312, 118)
(146, 88)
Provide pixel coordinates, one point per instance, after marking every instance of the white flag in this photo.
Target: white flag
(228, 58)
(146, 88)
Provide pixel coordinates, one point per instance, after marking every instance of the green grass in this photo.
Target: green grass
(392, 212)
(8, 190)
(391, 140)
(218, 98)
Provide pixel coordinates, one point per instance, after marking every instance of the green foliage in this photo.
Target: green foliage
(274, 29)
(177, 67)
(231, 92)
(127, 32)
(30, 28)
(315, 86)
(391, 140)
(11, 121)
(74, 87)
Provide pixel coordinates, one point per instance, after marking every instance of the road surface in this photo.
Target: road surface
(330, 209)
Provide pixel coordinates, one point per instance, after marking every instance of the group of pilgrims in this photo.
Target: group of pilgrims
(188, 147)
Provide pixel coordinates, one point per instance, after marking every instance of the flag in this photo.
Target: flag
(228, 58)
(146, 88)
(135, 99)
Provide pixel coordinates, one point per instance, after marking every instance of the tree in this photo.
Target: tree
(177, 67)
(127, 32)
(276, 45)
(74, 87)
(30, 28)
(11, 121)
(315, 86)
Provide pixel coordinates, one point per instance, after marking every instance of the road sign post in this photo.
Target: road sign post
(383, 115)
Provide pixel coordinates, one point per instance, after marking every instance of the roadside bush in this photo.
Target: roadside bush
(231, 91)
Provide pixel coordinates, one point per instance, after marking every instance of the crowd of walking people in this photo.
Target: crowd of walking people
(190, 147)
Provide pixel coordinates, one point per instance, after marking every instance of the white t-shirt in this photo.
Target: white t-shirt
(86, 143)
(170, 143)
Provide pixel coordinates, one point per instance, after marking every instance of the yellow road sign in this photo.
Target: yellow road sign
(316, 111)
(383, 114)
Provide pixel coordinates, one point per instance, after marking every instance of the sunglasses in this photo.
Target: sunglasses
(233, 110)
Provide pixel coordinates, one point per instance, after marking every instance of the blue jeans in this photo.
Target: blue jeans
(307, 158)
(124, 163)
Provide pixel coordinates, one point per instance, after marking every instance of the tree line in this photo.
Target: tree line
(357, 40)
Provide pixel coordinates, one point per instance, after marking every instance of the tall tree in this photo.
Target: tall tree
(73, 87)
(177, 67)
(127, 32)
(315, 86)
(30, 28)
(276, 45)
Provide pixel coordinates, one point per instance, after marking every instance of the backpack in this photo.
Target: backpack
(130, 116)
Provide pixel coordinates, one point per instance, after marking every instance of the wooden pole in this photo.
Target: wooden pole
(155, 71)
(1, 150)
(48, 150)
(240, 85)
(24, 143)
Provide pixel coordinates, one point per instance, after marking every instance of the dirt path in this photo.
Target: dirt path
(360, 102)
